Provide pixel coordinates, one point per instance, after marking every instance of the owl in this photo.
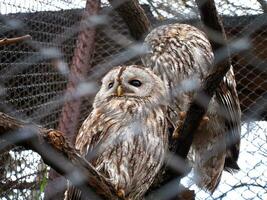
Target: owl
(125, 136)
(182, 56)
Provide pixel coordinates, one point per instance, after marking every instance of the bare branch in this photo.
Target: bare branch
(78, 70)
(134, 16)
(196, 111)
(68, 121)
(57, 152)
(8, 41)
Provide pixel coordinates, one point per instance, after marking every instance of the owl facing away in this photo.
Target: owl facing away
(182, 56)
(125, 136)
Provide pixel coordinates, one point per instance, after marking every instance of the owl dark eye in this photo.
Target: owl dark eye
(110, 85)
(135, 83)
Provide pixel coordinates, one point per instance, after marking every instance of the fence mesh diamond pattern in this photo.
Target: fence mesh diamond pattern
(34, 78)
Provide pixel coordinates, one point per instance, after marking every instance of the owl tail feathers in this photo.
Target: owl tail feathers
(73, 193)
(208, 182)
(231, 165)
(211, 186)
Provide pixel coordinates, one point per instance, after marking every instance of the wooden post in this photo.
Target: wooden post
(134, 16)
(78, 71)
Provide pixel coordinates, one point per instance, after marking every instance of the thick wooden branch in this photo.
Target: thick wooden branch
(195, 113)
(69, 119)
(222, 64)
(57, 152)
(8, 41)
(134, 16)
(213, 23)
(78, 70)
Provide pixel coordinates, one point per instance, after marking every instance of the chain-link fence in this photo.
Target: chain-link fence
(34, 81)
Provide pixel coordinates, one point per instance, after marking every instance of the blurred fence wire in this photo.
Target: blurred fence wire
(34, 80)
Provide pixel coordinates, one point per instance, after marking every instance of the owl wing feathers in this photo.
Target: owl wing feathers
(83, 143)
(90, 133)
(177, 53)
(72, 193)
(125, 136)
(226, 95)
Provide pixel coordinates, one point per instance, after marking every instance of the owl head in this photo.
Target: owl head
(131, 83)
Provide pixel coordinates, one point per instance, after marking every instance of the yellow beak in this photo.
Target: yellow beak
(119, 91)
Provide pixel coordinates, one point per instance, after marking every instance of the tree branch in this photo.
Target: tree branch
(196, 111)
(69, 119)
(212, 21)
(8, 41)
(78, 70)
(57, 152)
(134, 16)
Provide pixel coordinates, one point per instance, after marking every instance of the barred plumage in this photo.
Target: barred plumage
(182, 56)
(125, 135)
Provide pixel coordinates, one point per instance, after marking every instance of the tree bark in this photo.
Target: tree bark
(78, 70)
(196, 111)
(57, 152)
(213, 24)
(134, 16)
(71, 110)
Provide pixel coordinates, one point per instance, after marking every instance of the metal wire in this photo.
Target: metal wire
(34, 79)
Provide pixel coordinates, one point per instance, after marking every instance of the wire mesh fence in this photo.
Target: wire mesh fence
(34, 81)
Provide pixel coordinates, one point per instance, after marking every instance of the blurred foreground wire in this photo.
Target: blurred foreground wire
(34, 78)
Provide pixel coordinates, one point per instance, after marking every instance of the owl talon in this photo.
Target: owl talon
(175, 134)
(204, 122)
(182, 115)
(177, 130)
(121, 193)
